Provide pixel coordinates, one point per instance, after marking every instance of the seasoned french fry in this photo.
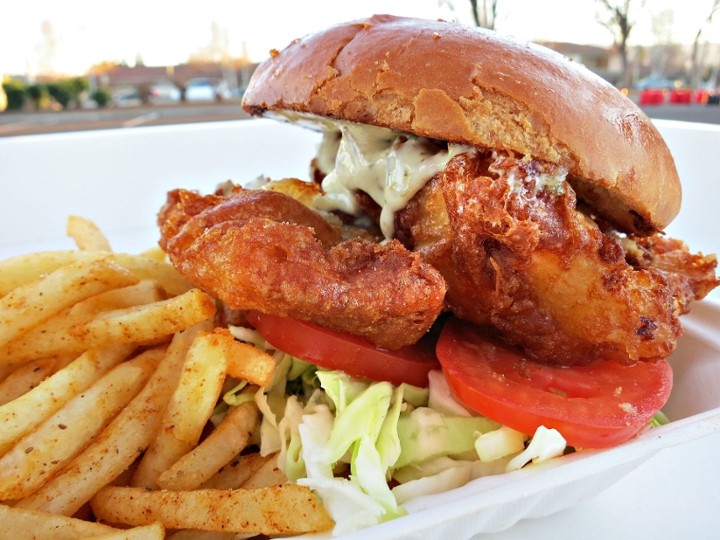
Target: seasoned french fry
(225, 442)
(237, 472)
(23, 524)
(138, 324)
(23, 414)
(120, 443)
(24, 269)
(190, 407)
(58, 326)
(191, 534)
(154, 531)
(285, 509)
(249, 363)
(161, 271)
(76, 416)
(30, 304)
(38, 455)
(269, 474)
(86, 234)
(6, 370)
(25, 377)
(155, 253)
(145, 291)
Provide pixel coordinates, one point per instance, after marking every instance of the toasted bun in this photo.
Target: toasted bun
(468, 85)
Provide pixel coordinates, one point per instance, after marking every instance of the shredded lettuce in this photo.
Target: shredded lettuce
(659, 419)
(441, 398)
(499, 443)
(426, 433)
(447, 479)
(350, 440)
(545, 444)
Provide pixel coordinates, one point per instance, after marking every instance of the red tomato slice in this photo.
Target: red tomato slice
(595, 406)
(345, 352)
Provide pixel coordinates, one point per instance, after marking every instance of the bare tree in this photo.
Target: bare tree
(615, 16)
(218, 49)
(47, 48)
(484, 13)
(695, 62)
(664, 49)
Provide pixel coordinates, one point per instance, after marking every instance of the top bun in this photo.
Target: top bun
(469, 85)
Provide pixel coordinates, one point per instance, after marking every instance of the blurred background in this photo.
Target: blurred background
(81, 64)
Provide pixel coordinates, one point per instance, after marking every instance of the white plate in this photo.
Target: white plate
(662, 485)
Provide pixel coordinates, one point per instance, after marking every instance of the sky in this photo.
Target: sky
(86, 32)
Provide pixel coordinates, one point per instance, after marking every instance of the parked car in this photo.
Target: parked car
(657, 83)
(163, 92)
(126, 96)
(204, 89)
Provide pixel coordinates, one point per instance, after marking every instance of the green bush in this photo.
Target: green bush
(78, 85)
(39, 95)
(67, 91)
(102, 97)
(60, 92)
(16, 95)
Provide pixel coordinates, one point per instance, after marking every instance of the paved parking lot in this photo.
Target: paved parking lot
(709, 114)
(27, 123)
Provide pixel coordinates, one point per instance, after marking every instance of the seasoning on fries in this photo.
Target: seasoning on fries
(112, 376)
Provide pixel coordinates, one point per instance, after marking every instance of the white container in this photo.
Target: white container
(665, 484)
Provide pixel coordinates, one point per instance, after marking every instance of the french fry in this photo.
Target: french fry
(6, 370)
(190, 407)
(76, 416)
(145, 291)
(249, 363)
(191, 534)
(24, 269)
(86, 234)
(58, 326)
(23, 414)
(220, 447)
(284, 509)
(138, 324)
(23, 524)
(120, 443)
(25, 377)
(154, 531)
(38, 455)
(237, 472)
(31, 304)
(155, 253)
(161, 271)
(269, 474)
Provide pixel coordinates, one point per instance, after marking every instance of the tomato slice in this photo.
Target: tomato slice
(594, 406)
(346, 352)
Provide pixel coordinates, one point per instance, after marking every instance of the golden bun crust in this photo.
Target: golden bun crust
(468, 85)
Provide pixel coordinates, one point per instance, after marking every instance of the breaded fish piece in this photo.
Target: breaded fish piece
(265, 251)
(519, 256)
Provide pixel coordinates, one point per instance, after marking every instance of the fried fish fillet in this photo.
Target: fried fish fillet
(518, 255)
(263, 250)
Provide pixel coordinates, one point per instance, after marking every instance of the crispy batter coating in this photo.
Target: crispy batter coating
(517, 255)
(263, 250)
(690, 276)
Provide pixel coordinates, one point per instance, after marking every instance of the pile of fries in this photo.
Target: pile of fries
(110, 371)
